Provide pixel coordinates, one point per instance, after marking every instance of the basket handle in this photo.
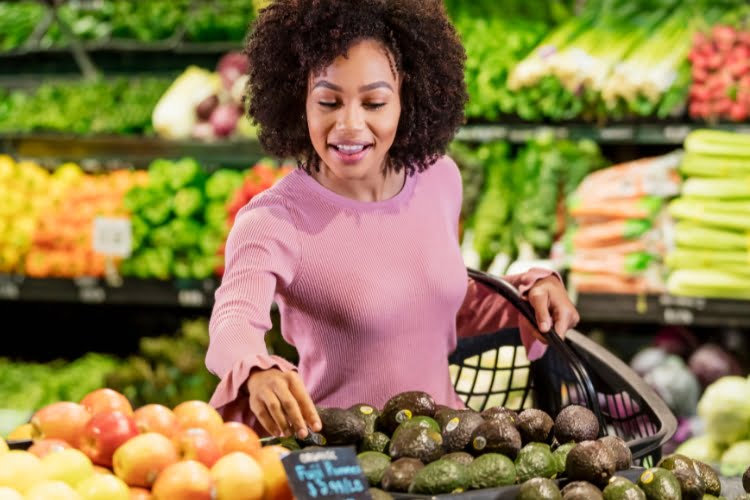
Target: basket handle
(512, 295)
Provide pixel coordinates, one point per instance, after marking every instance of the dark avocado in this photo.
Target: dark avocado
(576, 423)
(621, 451)
(620, 488)
(746, 480)
(373, 466)
(590, 461)
(561, 454)
(459, 456)
(539, 488)
(341, 427)
(710, 478)
(495, 436)
(691, 484)
(499, 412)
(399, 475)
(458, 430)
(377, 494)
(417, 442)
(443, 415)
(377, 441)
(581, 490)
(535, 426)
(369, 413)
(443, 476)
(676, 461)
(659, 484)
(492, 470)
(404, 406)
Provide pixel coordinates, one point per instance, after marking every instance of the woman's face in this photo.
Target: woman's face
(353, 109)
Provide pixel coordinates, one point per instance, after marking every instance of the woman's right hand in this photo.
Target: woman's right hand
(281, 403)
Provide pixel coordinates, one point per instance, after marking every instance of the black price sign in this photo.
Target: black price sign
(332, 473)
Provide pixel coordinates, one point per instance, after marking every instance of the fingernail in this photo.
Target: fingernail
(302, 433)
(544, 326)
(317, 426)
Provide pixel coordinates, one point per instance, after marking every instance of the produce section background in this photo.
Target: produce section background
(134, 109)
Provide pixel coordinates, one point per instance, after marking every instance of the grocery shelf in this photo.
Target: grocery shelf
(663, 309)
(133, 292)
(645, 133)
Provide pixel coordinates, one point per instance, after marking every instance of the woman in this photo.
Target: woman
(359, 246)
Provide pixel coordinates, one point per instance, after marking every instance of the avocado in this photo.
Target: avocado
(404, 406)
(399, 474)
(341, 427)
(590, 461)
(417, 442)
(621, 451)
(458, 430)
(539, 488)
(620, 488)
(576, 423)
(495, 436)
(500, 413)
(421, 421)
(691, 484)
(535, 426)
(292, 444)
(746, 480)
(373, 466)
(710, 478)
(581, 490)
(561, 454)
(459, 456)
(377, 494)
(369, 413)
(492, 470)
(444, 414)
(676, 461)
(443, 476)
(659, 484)
(377, 441)
(535, 460)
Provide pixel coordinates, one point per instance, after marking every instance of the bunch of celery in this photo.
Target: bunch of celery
(711, 242)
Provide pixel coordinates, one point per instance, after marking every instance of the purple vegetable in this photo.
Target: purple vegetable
(224, 119)
(647, 359)
(231, 66)
(207, 107)
(676, 340)
(710, 362)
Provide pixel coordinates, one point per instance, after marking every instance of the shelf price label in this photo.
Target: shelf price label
(9, 290)
(330, 473)
(191, 298)
(113, 236)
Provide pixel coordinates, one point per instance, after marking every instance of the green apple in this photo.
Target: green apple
(69, 465)
(103, 487)
(19, 470)
(52, 490)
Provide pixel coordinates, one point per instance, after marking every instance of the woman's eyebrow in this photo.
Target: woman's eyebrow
(363, 88)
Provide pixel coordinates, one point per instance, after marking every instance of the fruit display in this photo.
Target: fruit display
(103, 448)
(119, 106)
(17, 22)
(721, 75)
(517, 213)
(617, 239)
(206, 105)
(710, 254)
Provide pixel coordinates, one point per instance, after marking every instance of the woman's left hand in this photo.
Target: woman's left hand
(552, 306)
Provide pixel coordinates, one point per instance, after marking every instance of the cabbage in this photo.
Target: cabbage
(725, 409)
(701, 448)
(734, 461)
(675, 384)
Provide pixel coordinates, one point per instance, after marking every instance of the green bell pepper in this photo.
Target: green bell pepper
(188, 201)
(186, 233)
(223, 183)
(216, 216)
(158, 211)
(186, 172)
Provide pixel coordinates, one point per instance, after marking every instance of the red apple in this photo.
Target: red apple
(197, 444)
(198, 414)
(275, 482)
(236, 436)
(156, 418)
(139, 494)
(104, 433)
(106, 401)
(238, 476)
(188, 480)
(61, 420)
(139, 461)
(44, 447)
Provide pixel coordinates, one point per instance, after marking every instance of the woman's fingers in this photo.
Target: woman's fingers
(539, 300)
(291, 410)
(306, 405)
(259, 409)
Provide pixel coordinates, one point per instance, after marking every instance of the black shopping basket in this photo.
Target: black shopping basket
(492, 370)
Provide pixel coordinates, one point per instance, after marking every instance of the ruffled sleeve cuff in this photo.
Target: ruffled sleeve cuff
(230, 396)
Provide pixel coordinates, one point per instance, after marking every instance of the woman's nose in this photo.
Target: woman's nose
(350, 118)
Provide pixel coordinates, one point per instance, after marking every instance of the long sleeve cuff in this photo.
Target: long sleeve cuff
(231, 397)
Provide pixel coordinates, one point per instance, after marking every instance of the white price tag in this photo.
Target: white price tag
(113, 236)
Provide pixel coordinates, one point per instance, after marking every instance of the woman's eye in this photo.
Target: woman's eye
(328, 104)
(374, 105)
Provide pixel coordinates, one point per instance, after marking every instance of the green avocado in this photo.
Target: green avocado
(459, 456)
(400, 473)
(377, 441)
(620, 488)
(581, 490)
(373, 466)
(539, 488)
(492, 470)
(660, 484)
(561, 454)
(535, 460)
(378, 494)
(443, 476)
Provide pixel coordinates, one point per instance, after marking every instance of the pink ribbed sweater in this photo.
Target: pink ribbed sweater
(368, 292)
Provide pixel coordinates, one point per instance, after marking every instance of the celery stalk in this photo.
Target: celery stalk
(714, 165)
(724, 189)
(718, 142)
(697, 212)
(688, 234)
(683, 258)
(708, 283)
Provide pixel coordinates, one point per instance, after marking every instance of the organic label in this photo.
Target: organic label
(403, 416)
(452, 424)
(112, 236)
(333, 473)
(647, 477)
(366, 410)
(479, 443)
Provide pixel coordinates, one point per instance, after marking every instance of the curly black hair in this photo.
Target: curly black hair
(291, 39)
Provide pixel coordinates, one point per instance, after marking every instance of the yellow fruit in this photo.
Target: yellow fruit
(69, 465)
(7, 167)
(103, 487)
(19, 470)
(52, 490)
(20, 433)
(9, 494)
(237, 476)
(3, 446)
